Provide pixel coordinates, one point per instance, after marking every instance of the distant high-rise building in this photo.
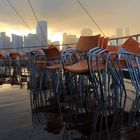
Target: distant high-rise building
(54, 42)
(119, 33)
(31, 40)
(86, 32)
(69, 38)
(113, 42)
(17, 41)
(127, 31)
(41, 31)
(5, 42)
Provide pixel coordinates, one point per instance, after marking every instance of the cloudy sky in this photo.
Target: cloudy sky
(68, 16)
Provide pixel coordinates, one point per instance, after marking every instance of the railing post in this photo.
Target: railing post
(137, 38)
(117, 42)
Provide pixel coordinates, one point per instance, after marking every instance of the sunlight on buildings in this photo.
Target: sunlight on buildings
(55, 36)
(19, 32)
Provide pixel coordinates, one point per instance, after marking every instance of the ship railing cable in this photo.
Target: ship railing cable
(22, 19)
(91, 18)
(34, 13)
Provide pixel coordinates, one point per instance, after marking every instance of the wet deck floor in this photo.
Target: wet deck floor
(16, 118)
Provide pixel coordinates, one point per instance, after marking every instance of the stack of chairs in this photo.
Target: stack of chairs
(132, 60)
(2, 68)
(15, 69)
(54, 77)
(36, 61)
(84, 89)
(17, 64)
(45, 86)
(77, 79)
(23, 61)
(112, 92)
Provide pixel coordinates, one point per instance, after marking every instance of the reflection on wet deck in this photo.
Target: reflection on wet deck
(19, 122)
(16, 117)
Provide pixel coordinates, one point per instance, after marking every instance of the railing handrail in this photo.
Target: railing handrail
(124, 37)
(37, 46)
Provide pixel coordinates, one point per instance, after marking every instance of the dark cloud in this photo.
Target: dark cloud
(67, 15)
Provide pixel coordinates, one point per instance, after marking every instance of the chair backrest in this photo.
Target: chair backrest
(101, 42)
(85, 43)
(113, 48)
(131, 45)
(105, 43)
(52, 46)
(14, 54)
(52, 53)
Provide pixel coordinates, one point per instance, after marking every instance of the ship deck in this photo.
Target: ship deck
(16, 116)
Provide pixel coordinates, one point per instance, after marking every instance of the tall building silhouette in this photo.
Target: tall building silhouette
(69, 38)
(86, 32)
(127, 31)
(17, 41)
(119, 33)
(5, 42)
(41, 31)
(31, 40)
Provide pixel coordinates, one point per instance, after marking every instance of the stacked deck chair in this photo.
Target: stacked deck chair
(15, 68)
(132, 60)
(36, 60)
(80, 98)
(115, 119)
(53, 70)
(2, 68)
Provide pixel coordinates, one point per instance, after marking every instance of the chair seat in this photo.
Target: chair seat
(82, 67)
(54, 67)
(42, 64)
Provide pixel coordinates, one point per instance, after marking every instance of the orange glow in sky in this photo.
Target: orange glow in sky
(52, 36)
(68, 16)
(57, 36)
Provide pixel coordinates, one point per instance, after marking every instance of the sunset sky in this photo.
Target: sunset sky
(68, 16)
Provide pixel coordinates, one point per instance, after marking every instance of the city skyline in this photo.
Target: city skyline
(86, 31)
(68, 16)
(40, 38)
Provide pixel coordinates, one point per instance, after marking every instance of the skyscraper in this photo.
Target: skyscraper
(5, 42)
(127, 31)
(41, 31)
(31, 40)
(69, 38)
(87, 32)
(17, 41)
(119, 33)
